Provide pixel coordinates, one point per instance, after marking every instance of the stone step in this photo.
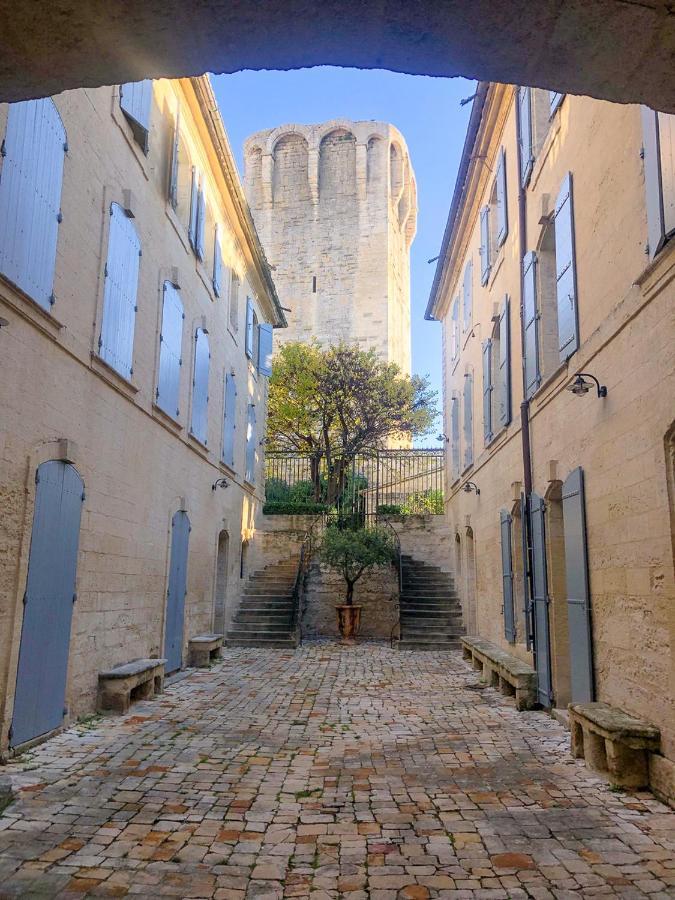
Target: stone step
(262, 624)
(432, 634)
(428, 645)
(268, 596)
(278, 614)
(414, 605)
(263, 640)
(272, 609)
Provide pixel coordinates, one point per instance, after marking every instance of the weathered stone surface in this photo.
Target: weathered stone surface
(616, 724)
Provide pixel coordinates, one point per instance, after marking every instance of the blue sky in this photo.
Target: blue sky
(425, 110)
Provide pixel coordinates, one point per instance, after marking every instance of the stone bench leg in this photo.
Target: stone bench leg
(506, 688)
(576, 739)
(627, 767)
(145, 690)
(200, 657)
(116, 698)
(466, 652)
(477, 664)
(493, 677)
(595, 752)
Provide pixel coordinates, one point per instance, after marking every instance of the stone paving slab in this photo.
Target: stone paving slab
(340, 772)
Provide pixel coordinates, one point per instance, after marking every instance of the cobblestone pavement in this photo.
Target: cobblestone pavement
(336, 772)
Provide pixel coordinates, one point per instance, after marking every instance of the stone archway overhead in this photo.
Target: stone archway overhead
(622, 50)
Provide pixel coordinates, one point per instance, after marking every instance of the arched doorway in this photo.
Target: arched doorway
(219, 602)
(470, 622)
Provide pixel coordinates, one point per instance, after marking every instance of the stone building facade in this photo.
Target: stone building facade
(558, 259)
(136, 310)
(335, 205)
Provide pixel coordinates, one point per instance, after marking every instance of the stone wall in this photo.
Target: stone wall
(427, 538)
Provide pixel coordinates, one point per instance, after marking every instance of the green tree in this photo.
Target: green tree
(336, 402)
(353, 551)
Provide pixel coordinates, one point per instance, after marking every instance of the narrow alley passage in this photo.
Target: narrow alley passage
(356, 772)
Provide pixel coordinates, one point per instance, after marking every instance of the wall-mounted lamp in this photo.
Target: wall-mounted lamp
(220, 482)
(443, 437)
(580, 386)
(470, 486)
(4, 322)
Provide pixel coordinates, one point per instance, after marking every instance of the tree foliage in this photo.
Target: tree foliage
(353, 551)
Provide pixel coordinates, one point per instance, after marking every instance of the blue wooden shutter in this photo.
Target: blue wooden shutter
(265, 336)
(170, 351)
(468, 420)
(651, 145)
(251, 442)
(485, 262)
(194, 208)
(555, 99)
(116, 343)
(487, 391)
(174, 626)
(504, 410)
(217, 263)
(200, 388)
(229, 419)
(531, 325)
(578, 594)
(502, 210)
(525, 134)
(454, 435)
(527, 606)
(568, 330)
(201, 222)
(175, 162)
(542, 650)
(666, 124)
(507, 577)
(249, 328)
(30, 197)
(467, 296)
(455, 329)
(135, 101)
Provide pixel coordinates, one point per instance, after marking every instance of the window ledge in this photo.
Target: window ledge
(113, 377)
(177, 227)
(659, 272)
(226, 467)
(165, 418)
(29, 309)
(197, 445)
(496, 266)
(202, 272)
(550, 381)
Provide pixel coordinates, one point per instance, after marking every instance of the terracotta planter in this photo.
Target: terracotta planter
(349, 622)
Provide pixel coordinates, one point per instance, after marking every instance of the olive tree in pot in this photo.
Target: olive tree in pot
(352, 552)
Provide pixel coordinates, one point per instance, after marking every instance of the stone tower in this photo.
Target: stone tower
(335, 206)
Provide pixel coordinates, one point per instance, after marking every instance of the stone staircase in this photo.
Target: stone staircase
(431, 615)
(265, 612)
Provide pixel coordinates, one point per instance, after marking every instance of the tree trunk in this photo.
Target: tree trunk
(350, 593)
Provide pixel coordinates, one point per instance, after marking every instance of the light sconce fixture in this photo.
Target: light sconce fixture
(443, 437)
(580, 386)
(220, 482)
(470, 486)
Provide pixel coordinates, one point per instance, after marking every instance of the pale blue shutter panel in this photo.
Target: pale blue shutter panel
(454, 436)
(576, 585)
(170, 351)
(30, 197)
(667, 156)
(251, 441)
(265, 335)
(217, 263)
(525, 134)
(455, 329)
(200, 388)
(194, 208)
(467, 296)
(229, 419)
(135, 101)
(175, 162)
(507, 577)
(249, 328)
(201, 223)
(656, 228)
(555, 99)
(502, 210)
(468, 420)
(542, 646)
(487, 391)
(531, 325)
(568, 330)
(504, 411)
(527, 605)
(116, 343)
(485, 264)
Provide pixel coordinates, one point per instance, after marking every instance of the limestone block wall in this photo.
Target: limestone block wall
(428, 539)
(335, 205)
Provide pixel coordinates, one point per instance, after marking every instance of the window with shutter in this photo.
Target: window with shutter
(454, 347)
(531, 325)
(200, 388)
(266, 333)
(659, 166)
(525, 134)
(217, 262)
(200, 246)
(175, 162)
(502, 211)
(467, 296)
(229, 419)
(566, 289)
(135, 102)
(251, 444)
(542, 644)
(507, 577)
(116, 342)
(234, 301)
(454, 436)
(194, 208)
(250, 328)
(555, 99)
(485, 260)
(504, 406)
(487, 391)
(468, 420)
(30, 197)
(170, 351)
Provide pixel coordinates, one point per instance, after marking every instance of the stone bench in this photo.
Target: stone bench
(502, 670)
(613, 743)
(140, 679)
(204, 649)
